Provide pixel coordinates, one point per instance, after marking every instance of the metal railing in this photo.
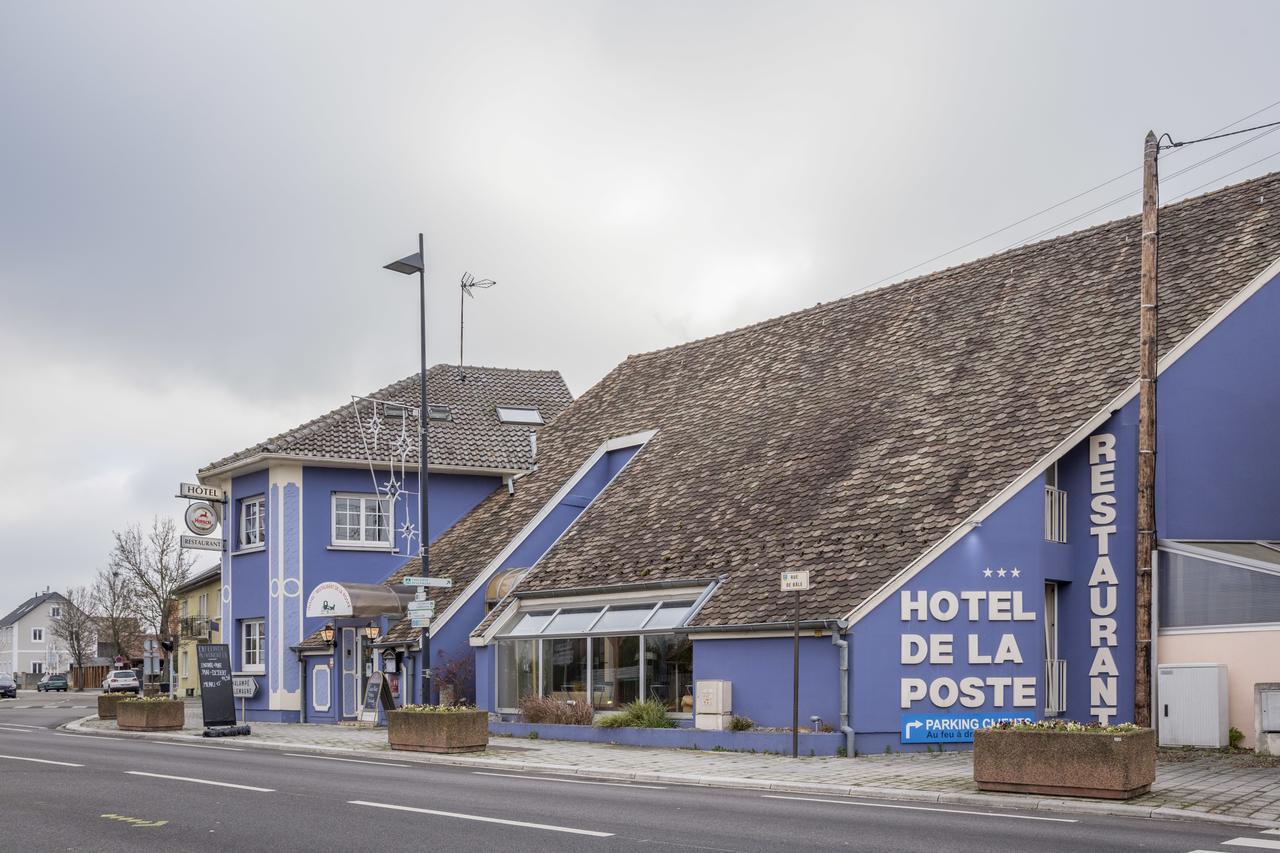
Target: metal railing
(1055, 687)
(193, 627)
(1055, 514)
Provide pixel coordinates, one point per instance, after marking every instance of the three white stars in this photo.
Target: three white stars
(1015, 572)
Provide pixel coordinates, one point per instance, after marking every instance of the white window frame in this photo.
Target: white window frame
(259, 538)
(184, 664)
(1055, 507)
(366, 501)
(37, 667)
(55, 611)
(37, 635)
(203, 609)
(521, 415)
(259, 666)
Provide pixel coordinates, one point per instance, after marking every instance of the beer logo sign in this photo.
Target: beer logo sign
(201, 519)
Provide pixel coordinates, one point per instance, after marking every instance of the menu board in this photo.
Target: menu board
(216, 701)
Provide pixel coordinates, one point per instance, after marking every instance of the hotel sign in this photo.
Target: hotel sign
(201, 518)
(200, 492)
(1104, 675)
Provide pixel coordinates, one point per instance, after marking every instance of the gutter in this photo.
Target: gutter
(843, 645)
(757, 626)
(234, 468)
(624, 587)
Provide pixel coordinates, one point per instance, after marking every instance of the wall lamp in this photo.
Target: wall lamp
(372, 631)
(326, 634)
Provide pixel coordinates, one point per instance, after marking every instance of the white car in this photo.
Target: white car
(122, 681)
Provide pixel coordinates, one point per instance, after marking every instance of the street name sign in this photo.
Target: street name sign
(442, 583)
(795, 581)
(201, 543)
(423, 621)
(199, 492)
(427, 607)
(216, 700)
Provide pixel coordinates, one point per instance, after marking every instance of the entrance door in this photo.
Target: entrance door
(350, 674)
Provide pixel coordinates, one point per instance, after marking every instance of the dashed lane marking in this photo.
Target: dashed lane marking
(481, 819)
(1256, 843)
(89, 737)
(919, 808)
(350, 760)
(569, 781)
(195, 745)
(19, 731)
(201, 781)
(135, 821)
(41, 761)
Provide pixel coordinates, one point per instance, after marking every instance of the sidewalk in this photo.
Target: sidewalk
(1240, 789)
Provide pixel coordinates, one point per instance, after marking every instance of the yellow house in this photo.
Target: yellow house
(197, 623)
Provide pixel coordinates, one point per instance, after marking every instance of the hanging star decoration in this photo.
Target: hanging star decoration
(391, 488)
(375, 427)
(408, 532)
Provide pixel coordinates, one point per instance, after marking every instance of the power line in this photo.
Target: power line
(1213, 135)
(1173, 144)
(1227, 175)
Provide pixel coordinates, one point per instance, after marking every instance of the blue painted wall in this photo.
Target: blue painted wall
(760, 670)
(1218, 410)
(249, 579)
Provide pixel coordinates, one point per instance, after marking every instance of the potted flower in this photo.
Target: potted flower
(150, 714)
(1064, 758)
(107, 704)
(438, 728)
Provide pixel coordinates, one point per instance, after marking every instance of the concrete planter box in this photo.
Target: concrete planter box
(821, 743)
(107, 704)
(150, 716)
(1066, 764)
(438, 731)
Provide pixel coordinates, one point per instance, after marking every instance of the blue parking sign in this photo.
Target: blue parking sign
(951, 728)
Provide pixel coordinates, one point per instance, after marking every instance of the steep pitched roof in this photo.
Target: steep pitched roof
(850, 437)
(29, 605)
(209, 575)
(473, 438)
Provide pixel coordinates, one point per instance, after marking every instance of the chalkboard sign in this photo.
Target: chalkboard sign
(217, 703)
(377, 692)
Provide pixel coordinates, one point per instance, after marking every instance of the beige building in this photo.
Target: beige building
(197, 623)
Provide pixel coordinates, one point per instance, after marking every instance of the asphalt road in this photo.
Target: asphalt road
(61, 791)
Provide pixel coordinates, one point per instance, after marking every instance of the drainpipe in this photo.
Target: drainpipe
(302, 667)
(843, 646)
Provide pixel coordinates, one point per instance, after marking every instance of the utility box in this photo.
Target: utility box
(1193, 705)
(1266, 704)
(714, 706)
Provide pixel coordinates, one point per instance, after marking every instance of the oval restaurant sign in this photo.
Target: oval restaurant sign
(201, 519)
(329, 599)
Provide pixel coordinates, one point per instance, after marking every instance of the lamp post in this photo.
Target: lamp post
(409, 265)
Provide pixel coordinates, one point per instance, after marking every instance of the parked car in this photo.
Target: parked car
(8, 687)
(52, 682)
(122, 681)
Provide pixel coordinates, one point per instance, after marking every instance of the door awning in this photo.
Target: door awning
(357, 600)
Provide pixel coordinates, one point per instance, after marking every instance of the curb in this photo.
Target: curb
(991, 801)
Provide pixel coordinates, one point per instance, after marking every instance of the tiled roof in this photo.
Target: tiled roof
(850, 437)
(27, 606)
(474, 438)
(209, 575)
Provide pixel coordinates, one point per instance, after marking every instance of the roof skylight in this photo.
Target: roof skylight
(517, 415)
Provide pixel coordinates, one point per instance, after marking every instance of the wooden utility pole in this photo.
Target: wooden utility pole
(1147, 428)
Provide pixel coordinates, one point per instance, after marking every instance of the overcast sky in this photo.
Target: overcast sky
(196, 199)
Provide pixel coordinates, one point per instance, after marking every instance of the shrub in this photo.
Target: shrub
(1235, 737)
(164, 698)
(543, 709)
(739, 723)
(437, 709)
(649, 714)
(1061, 726)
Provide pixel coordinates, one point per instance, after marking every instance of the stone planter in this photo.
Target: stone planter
(1067, 764)
(150, 716)
(438, 731)
(107, 704)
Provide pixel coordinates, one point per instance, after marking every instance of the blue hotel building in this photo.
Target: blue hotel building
(952, 459)
(334, 501)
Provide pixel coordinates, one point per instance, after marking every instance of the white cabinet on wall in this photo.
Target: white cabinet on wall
(1192, 704)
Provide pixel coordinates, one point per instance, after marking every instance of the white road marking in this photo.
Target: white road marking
(195, 745)
(1271, 832)
(351, 760)
(91, 737)
(19, 731)
(1259, 843)
(570, 781)
(41, 761)
(201, 781)
(24, 725)
(481, 819)
(919, 808)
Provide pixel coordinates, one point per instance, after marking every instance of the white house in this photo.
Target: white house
(27, 644)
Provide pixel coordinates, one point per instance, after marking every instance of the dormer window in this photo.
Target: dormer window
(516, 415)
(439, 413)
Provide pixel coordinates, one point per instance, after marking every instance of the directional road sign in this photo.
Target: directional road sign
(425, 607)
(443, 583)
(423, 621)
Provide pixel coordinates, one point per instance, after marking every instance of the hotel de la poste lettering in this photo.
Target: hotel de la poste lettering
(953, 460)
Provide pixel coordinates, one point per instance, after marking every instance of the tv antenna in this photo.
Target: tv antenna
(469, 283)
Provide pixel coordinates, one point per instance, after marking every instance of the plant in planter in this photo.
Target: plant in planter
(150, 714)
(454, 677)
(438, 728)
(649, 714)
(107, 704)
(1064, 758)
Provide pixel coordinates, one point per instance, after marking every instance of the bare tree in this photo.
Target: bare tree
(116, 604)
(75, 629)
(154, 563)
